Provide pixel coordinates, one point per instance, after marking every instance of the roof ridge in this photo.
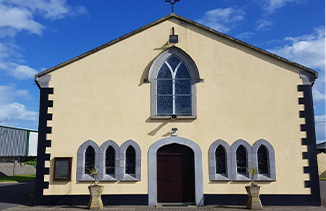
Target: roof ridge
(173, 15)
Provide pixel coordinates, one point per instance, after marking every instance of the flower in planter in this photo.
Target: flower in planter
(94, 171)
(252, 171)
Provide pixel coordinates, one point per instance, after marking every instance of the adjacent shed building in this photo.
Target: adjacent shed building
(17, 142)
(17, 145)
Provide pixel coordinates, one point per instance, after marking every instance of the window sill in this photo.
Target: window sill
(240, 177)
(85, 178)
(261, 177)
(128, 177)
(220, 177)
(108, 178)
(178, 117)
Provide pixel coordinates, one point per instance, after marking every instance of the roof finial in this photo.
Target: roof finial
(172, 2)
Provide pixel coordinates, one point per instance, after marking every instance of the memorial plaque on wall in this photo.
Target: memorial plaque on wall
(62, 169)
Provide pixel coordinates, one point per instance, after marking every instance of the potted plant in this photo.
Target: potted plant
(252, 189)
(95, 191)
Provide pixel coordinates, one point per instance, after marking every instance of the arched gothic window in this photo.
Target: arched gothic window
(130, 161)
(173, 76)
(241, 156)
(89, 159)
(262, 157)
(220, 158)
(110, 161)
(173, 91)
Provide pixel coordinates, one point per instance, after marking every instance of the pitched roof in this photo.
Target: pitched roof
(172, 15)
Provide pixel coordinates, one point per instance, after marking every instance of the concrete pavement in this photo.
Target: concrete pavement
(16, 196)
(146, 208)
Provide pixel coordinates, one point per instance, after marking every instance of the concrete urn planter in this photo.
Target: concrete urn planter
(253, 200)
(95, 202)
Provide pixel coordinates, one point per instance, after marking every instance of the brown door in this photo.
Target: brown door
(175, 174)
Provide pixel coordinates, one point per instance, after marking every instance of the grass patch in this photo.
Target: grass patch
(20, 178)
(322, 178)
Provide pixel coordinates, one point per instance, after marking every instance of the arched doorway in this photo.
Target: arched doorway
(175, 174)
(152, 168)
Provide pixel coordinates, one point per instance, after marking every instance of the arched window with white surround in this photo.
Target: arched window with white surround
(264, 160)
(109, 161)
(130, 161)
(87, 158)
(173, 76)
(219, 161)
(241, 160)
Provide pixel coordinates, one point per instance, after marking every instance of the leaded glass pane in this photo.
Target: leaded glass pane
(241, 160)
(110, 161)
(164, 105)
(182, 72)
(164, 72)
(130, 160)
(173, 62)
(183, 105)
(182, 86)
(89, 159)
(164, 86)
(220, 160)
(262, 156)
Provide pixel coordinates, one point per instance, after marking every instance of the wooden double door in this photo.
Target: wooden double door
(175, 174)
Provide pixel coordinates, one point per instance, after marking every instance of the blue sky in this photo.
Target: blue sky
(38, 34)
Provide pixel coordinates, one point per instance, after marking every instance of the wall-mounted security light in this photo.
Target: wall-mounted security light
(173, 116)
(173, 37)
(174, 131)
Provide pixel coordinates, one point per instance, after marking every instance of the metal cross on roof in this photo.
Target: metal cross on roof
(172, 2)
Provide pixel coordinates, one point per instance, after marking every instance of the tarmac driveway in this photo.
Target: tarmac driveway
(13, 194)
(15, 197)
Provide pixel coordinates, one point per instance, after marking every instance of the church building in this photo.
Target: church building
(176, 112)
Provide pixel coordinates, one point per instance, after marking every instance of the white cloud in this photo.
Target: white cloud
(8, 53)
(20, 16)
(15, 111)
(9, 93)
(320, 124)
(222, 19)
(23, 72)
(10, 109)
(308, 49)
(245, 35)
(18, 19)
(264, 25)
(318, 94)
(271, 5)
(49, 9)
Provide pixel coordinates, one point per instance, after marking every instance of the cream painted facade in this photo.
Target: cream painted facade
(245, 94)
